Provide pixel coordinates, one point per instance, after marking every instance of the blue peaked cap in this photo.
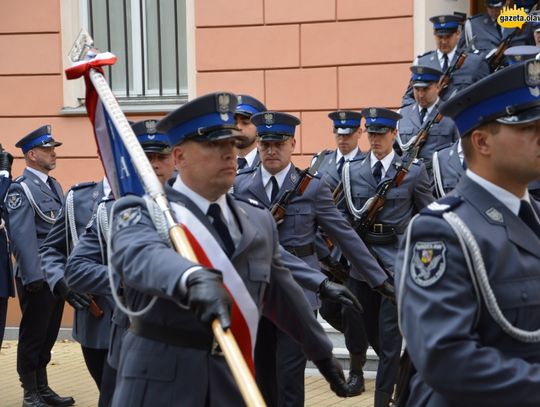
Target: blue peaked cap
(41, 137)
(275, 126)
(345, 121)
(248, 106)
(380, 120)
(151, 140)
(509, 96)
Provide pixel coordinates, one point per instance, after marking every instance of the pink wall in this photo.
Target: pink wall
(306, 57)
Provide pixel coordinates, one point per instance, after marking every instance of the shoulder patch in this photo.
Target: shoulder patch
(428, 263)
(441, 206)
(83, 185)
(14, 200)
(128, 217)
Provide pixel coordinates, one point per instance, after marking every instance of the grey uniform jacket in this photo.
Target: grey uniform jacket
(28, 229)
(87, 272)
(154, 373)
(462, 355)
(473, 69)
(447, 169)
(302, 216)
(441, 135)
(481, 32)
(81, 202)
(401, 203)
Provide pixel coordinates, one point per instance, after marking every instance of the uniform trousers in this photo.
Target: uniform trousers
(38, 330)
(3, 314)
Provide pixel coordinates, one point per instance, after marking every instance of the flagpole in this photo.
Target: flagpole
(242, 375)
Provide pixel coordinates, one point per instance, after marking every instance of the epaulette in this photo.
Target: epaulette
(476, 16)
(361, 158)
(20, 178)
(425, 53)
(251, 201)
(441, 206)
(83, 185)
(247, 170)
(325, 152)
(416, 161)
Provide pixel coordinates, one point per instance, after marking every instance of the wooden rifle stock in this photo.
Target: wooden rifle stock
(495, 60)
(444, 80)
(278, 209)
(95, 309)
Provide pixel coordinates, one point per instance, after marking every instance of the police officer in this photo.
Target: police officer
(183, 370)
(303, 213)
(361, 179)
(87, 270)
(248, 156)
(426, 95)
(6, 278)
(446, 29)
(481, 31)
(480, 248)
(347, 132)
(34, 202)
(80, 203)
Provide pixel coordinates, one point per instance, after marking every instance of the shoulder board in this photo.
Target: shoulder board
(361, 158)
(107, 199)
(252, 202)
(246, 171)
(325, 152)
(425, 53)
(441, 206)
(20, 178)
(416, 161)
(83, 185)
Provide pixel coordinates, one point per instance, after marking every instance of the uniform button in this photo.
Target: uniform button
(524, 296)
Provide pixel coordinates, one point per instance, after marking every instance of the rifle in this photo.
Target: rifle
(444, 80)
(495, 58)
(278, 209)
(377, 201)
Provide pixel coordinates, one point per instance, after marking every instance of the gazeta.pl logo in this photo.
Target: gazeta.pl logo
(515, 17)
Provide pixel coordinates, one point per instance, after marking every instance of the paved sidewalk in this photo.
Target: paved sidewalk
(68, 376)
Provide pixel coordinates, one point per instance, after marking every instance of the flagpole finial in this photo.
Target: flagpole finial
(83, 48)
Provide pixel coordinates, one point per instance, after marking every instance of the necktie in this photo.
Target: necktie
(214, 211)
(423, 113)
(445, 62)
(275, 188)
(241, 162)
(526, 213)
(50, 183)
(340, 165)
(377, 171)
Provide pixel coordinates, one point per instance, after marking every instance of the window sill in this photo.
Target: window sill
(134, 105)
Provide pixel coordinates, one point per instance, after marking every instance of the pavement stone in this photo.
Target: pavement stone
(68, 376)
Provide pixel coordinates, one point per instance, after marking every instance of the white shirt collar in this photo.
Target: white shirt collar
(202, 203)
(509, 200)
(450, 56)
(348, 157)
(386, 161)
(250, 157)
(42, 176)
(280, 176)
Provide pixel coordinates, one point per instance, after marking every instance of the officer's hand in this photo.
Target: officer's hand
(387, 290)
(333, 373)
(334, 268)
(78, 301)
(207, 297)
(337, 292)
(34, 286)
(6, 159)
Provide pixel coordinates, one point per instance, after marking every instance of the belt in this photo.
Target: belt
(301, 251)
(171, 336)
(380, 234)
(380, 228)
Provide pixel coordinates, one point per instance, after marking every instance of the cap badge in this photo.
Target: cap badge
(532, 73)
(150, 126)
(442, 19)
(420, 70)
(239, 100)
(534, 91)
(49, 129)
(268, 119)
(373, 112)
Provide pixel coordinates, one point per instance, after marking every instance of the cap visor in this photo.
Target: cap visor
(274, 137)
(380, 130)
(526, 116)
(243, 113)
(420, 84)
(154, 148)
(51, 144)
(343, 130)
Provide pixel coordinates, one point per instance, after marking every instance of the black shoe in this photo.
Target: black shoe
(356, 384)
(31, 396)
(53, 399)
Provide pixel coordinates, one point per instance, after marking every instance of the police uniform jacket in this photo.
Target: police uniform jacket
(87, 271)
(59, 241)
(447, 169)
(473, 69)
(315, 207)
(6, 278)
(462, 355)
(28, 229)
(155, 373)
(401, 203)
(441, 134)
(485, 31)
